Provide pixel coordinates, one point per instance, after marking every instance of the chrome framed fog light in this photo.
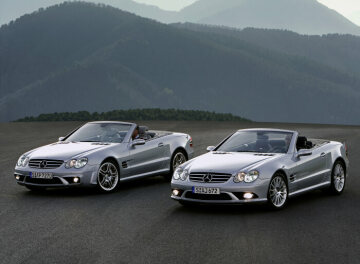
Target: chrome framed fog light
(175, 192)
(248, 195)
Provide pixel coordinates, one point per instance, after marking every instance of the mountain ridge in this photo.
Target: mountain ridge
(305, 16)
(132, 62)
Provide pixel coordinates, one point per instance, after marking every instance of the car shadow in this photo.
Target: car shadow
(123, 188)
(317, 198)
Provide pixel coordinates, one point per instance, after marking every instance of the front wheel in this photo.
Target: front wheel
(278, 192)
(108, 177)
(338, 178)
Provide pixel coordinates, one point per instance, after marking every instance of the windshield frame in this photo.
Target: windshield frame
(290, 148)
(126, 139)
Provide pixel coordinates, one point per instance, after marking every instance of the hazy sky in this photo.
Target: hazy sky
(348, 8)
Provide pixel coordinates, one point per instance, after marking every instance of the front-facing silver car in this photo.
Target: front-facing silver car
(261, 165)
(102, 154)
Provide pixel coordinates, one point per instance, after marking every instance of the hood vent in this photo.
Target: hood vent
(220, 152)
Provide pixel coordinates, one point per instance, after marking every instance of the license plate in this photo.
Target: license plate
(206, 190)
(41, 175)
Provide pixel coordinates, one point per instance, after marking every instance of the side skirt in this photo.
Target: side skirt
(153, 173)
(317, 186)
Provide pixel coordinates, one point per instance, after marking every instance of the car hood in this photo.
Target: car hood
(65, 150)
(226, 162)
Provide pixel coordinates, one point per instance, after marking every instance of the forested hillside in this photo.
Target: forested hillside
(79, 56)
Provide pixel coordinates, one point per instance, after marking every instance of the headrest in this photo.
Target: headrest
(143, 129)
(301, 143)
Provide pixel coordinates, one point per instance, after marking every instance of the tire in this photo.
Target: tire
(35, 188)
(178, 158)
(108, 177)
(338, 178)
(278, 192)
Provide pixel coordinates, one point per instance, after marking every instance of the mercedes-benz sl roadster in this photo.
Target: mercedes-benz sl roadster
(102, 154)
(261, 165)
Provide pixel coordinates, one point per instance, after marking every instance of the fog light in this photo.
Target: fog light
(248, 195)
(76, 180)
(175, 192)
(17, 177)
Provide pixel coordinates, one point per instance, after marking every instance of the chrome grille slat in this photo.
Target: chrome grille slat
(49, 164)
(215, 177)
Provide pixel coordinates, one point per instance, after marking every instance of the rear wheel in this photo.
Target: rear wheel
(338, 178)
(108, 177)
(178, 158)
(278, 192)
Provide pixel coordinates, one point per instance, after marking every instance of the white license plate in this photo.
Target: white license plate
(41, 175)
(206, 190)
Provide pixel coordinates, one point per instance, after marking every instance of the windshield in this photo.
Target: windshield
(257, 141)
(100, 132)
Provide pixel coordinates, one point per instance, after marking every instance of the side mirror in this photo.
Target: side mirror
(138, 142)
(210, 148)
(303, 153)
(61, 138)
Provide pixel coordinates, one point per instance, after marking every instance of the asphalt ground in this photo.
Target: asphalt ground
(141, 224)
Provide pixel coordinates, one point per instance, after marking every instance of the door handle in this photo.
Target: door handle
(161, 145)
(322, 154)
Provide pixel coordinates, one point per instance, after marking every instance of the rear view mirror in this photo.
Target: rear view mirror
(303, 153)
(138, 142)
(210, 148)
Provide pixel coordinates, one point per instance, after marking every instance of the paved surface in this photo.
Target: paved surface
(141, 224)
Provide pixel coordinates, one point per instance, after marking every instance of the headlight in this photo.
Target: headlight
(180, 174)
(246, 177)
(76, 163)
(176, 175)
(184, 175)
(22, 161)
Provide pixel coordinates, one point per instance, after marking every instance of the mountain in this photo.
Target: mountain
(338, 51)
(12, 9)
(302, 16)
(79, 56)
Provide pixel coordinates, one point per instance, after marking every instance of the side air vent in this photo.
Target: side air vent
(124, 164)
(292, 177)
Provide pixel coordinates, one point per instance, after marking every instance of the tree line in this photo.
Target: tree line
(136, 114)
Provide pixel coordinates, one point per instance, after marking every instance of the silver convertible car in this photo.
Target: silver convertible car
(261, 165)
(102, 154)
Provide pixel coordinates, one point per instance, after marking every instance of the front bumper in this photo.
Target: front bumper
(62, 177)
(230, 193)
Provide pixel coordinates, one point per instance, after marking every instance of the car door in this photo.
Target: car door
(145, 159)
(310, 169)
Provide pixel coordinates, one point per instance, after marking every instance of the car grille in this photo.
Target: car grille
(207, 197)
(43, 181)
(209, 177)
(45, 163)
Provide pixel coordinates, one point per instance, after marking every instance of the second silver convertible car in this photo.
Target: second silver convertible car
(102, 154)
(261, 165)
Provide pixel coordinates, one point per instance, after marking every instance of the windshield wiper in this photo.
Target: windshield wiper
(89, 141)
(249, 151)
